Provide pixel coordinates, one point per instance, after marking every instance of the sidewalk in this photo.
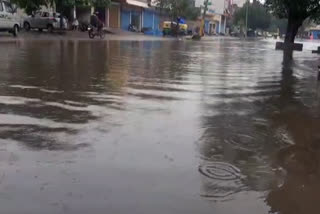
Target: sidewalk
(77, 35)
(113, 34)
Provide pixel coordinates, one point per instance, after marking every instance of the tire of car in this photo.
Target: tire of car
(40, 29)
(50, 28)
(15, 30)
(26, 26)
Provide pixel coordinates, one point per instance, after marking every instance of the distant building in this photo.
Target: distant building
(216, 16)
(314, 33)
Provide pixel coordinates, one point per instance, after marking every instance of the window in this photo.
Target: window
(1, 7)
(38, 14)
(45, 14)
(8, 7)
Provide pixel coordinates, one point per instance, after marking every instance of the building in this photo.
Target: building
(132, 12)
(216, 16)
(314, 33)
(122, 13)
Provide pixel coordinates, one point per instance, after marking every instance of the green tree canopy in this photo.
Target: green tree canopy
(296, 11)
(278, 24)
(258, 16)
(33, 5)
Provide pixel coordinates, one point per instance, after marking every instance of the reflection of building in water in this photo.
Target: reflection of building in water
(59, 87)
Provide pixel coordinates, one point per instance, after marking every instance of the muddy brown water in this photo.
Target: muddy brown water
(154, 127)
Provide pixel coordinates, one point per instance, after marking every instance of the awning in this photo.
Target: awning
(138, 3)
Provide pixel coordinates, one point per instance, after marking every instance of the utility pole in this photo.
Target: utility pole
(206, 3)
(247, 12)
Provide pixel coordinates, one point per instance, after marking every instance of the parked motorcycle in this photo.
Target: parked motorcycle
(83, 27)
(132, 28)
(93, 32)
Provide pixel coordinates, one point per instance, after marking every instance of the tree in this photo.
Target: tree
(296, 11)
(182, 8)
(33, 5)
(258, 17)
(278, 24)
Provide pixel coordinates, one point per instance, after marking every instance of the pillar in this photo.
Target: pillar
(74, 12)
(107, 17)
(220, 24)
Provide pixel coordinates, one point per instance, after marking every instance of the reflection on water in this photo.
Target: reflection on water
(157, 127)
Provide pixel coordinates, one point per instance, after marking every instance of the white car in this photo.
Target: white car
(44, 20)
(9, 21)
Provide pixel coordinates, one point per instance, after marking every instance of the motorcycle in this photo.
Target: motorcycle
(93, 32)
(132, 28)
(83, 27)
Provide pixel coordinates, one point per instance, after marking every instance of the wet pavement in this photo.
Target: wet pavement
(219, 126)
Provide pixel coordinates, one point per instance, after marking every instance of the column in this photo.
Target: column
(107, 16)
(225, 24)
(220, 24)
(74, 12)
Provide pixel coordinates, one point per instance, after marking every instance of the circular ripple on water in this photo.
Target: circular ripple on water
(220, 171)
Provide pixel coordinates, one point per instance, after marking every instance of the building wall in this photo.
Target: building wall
(316, 34)
(148, 19)
(151, 19)
(83, 14)
(113, 17)
(128, 12)
(125, 18)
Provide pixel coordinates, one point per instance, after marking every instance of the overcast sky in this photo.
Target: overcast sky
(239, 2)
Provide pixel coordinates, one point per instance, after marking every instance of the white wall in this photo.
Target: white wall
(239, 2)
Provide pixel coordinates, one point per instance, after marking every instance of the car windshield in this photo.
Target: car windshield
(37, 14)
(8, 7)
(45, 14)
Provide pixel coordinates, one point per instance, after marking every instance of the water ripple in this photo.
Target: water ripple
(220, 171)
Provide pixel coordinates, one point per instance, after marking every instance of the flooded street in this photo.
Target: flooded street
(158, 127)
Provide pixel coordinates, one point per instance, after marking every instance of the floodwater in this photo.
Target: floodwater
(158, 127)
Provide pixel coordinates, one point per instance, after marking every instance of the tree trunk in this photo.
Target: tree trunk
(292, 29)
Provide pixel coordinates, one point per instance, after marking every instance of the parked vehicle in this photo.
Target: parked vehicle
(9, 20)
(45, 20)
(83, 27)
(170, 29)
(93, 32)
(132, 28)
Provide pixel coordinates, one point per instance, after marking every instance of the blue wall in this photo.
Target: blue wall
(151, 19)
(315, 34)
(125, 19)
(222, 25)
(148, 19)
(206, 26)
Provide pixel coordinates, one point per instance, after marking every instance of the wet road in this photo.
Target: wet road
(157, 127)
